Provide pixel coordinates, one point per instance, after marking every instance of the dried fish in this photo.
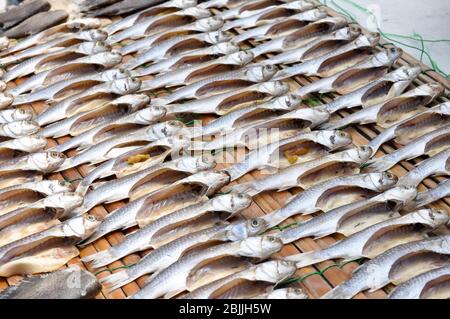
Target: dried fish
(442, 190)
(13, 115)
(17, 14)
(27, 143)
(43, 162)
(18, 129)
(331, 194)
(122, 7)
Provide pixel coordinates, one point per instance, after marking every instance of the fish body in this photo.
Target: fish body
(18, 129)
(320, 196)
(27, 144)
(121, 7)
(442, 190)
(42, 161)
(17, 14)
(13, 115)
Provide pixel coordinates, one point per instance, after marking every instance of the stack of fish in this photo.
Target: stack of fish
(122, 99)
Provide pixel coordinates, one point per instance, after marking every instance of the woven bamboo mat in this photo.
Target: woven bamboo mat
(314, 285)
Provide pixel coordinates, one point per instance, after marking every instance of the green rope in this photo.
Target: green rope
(73, 180)
(389, 36)
(111, 270)
(320, 272)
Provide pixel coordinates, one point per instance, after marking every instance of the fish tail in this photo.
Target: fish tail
(307, 259)
(343, 291)
(100, 259)
(116, 280)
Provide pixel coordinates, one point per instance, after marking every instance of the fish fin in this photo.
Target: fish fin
(342, 291)
(173, 293)
(290, 199)
(116, 280)
(100, 259)
(307, 259)
(379, 165)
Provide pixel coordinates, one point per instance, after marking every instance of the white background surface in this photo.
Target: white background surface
(429, 18)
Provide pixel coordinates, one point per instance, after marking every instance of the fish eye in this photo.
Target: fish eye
(342, 134)
(271, 239)
(255, 223)
(62, 183)
(91, 218)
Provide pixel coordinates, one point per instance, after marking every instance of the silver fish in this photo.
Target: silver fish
(269, 131)
(439, 164)
(50, 60)
(382, 89)
(198, 26)
(252, 114)
(351, 218)
(145, 181)
(442, 190)
(82, 122)
(15, 14)
(223, 103)
(282, 26)
(236, 8)
(135, 18)
(328, 195)
(116, 146)
(71, 105)
(283, 293)
(394, 110)
(194, 73)
(312, 32)
(413, 127)
(137, 159)
(50, 85)
(15, 257)
(271, 272)
(333, 62)
(376, 239)
(355, 77)
(27, 143)
(121, 125)
(428, 285)
(147, 236)
(13, 115)
(4, 43)
(46, 187)
(45, 47)
(265, 15)
(165, 255)
(18, 128)
(218, 84)
(43, 162)
(315, 48)
(6, 100)
(56, 285)
(279, 154)
(148, 26)
(429, 144)
(181, 275)
(395, 265)
(183, 45)
(309, 173)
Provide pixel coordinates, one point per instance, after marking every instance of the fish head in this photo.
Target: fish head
(275, 271)
(2, 73)
(359, 154)
(218, 37)
(381, 181)
(349, 33)
(64, 200)
(197, 12)
(431, 217)
(194, 164)
(94, 35)
(135, 101)
(261, 73)
(21, 115)
(209, 24)
(47, 161)
(31, 143)
(21, 128)
(334, 139)
(444, 108)
(107, 59)
(387, 57)
(274, 88)
(149, 115)
(3, 86)
(288, 293)
(401, 195)
(50, 187)
(125, 86)
(405, 73)
(429, 89)
(115, 74)
(81, 226)
(84, 23)
(225, 48)
(183, 4)
(4, 43)
(240, 58)
(165, 129)
(231, 203)
(368, 40)
(5, 100)
(260, 246)
(314, 15)
(93, 47)
(286, 102)
(240, 230)
(315, 115)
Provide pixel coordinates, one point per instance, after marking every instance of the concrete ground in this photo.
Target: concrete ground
(430, 19)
